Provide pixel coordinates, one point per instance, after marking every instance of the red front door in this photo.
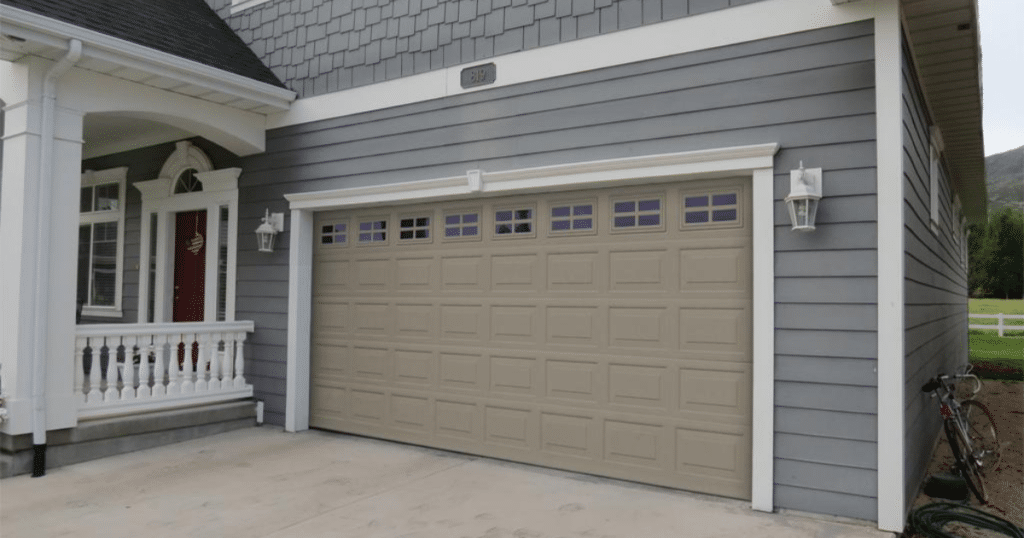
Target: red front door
(189, 266)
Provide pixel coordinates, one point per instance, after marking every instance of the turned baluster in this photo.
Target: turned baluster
(227, 358)
(145, 352)
(173, 372)
(201, 364)
(80, 344)
(159, 354)
(187, 384)
(111, 393)
(216, 362)
(239, 379)
(128, 368)
(96, 345)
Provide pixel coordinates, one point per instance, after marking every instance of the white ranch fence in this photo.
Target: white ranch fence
(122, 369)
(1000, 326)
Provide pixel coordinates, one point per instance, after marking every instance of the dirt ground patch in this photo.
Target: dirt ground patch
(1005, 483)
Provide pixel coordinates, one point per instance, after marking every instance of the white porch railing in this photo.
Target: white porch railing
(1001, 326)
(131, 368)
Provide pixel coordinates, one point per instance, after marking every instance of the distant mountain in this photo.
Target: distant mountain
(1004, 177)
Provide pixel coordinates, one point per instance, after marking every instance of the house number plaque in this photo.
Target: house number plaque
(479, 75)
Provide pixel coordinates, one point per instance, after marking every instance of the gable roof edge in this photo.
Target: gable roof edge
(96, 45)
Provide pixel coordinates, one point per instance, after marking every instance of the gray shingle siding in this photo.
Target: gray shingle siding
(935, 286)
(811, 92)
(303, 40)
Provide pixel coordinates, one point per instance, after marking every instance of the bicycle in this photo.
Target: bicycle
(969, 428)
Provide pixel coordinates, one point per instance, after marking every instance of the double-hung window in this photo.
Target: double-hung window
(101, 242)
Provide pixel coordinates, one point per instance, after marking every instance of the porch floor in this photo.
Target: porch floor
(262, 482)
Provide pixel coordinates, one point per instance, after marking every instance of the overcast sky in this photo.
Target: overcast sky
(1002, 71)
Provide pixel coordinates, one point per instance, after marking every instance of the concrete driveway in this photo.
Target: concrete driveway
(262, 482)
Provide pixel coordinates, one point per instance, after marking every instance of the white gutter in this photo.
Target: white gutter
(41, 296)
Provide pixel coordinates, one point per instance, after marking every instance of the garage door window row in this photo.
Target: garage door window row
(628, 214)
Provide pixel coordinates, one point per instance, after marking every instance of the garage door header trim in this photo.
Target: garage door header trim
(647, 168)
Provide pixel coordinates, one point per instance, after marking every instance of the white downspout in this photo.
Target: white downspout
(41, 295)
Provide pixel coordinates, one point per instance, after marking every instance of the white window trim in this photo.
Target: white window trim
(220, 188)
(935, 148)
(755, 161)
(92, 178)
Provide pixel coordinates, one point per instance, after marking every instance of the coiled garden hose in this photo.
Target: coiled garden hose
(930, 519)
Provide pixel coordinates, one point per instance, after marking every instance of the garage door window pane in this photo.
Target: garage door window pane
(711, 208)
(373, 231)
(334, 234)
(516, 222)
(572, 217)
(639, 214)
(414, 228)
(462, 225)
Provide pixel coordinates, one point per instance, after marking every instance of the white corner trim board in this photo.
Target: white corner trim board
(738, 24)
(892, 503)
(755, 161)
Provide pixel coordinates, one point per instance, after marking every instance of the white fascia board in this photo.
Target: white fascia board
(892, 503)
(663, 167)
(96, 45)
(738, 24)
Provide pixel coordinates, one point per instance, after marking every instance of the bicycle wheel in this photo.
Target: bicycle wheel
(967, 465)
(982, 431)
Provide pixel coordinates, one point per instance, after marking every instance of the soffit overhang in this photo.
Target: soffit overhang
(944, 42)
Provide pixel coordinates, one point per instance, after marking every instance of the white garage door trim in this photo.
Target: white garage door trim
(755, 160)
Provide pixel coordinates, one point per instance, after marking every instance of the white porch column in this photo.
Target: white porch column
(19, 214)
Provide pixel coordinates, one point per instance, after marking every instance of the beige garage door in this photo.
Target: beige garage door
(604, 331)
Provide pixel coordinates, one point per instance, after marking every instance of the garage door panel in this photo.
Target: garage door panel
(572, 380)
(515, 272)
(510, 427)
(624, 353)
(640, 271)
(464, 371)
(574, 271)
(515, 375)
(574, 325)
(370, 318)
(416, 274)
(463, 321)
(637, 385)
(714, 392)
(416, 320)
(516, 323)
(463, 273)
(714, 269)
(460, 419)
(714, 329)
(411, 412)
(640, 326)
(415, 366)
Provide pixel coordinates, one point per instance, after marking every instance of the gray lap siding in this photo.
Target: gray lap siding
(812, 92)
(935, 288)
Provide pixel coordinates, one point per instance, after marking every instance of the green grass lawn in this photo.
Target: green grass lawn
(994, 357)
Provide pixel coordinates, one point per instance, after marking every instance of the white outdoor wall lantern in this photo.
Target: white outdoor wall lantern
(804, 194)
(265, 234)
